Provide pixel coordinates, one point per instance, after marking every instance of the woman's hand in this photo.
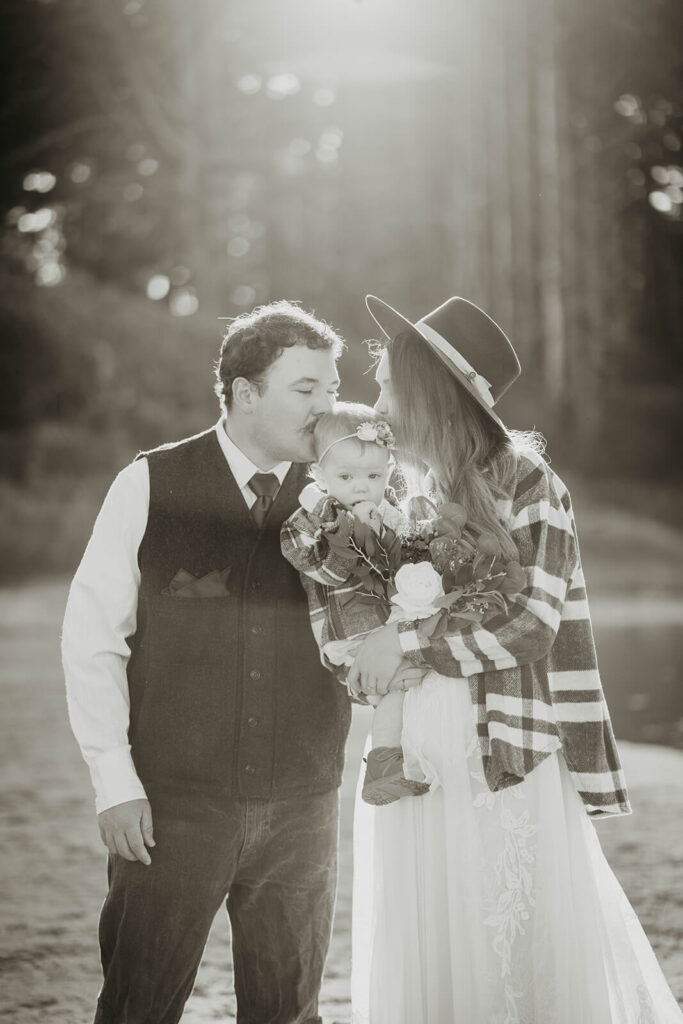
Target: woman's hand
(377, 662)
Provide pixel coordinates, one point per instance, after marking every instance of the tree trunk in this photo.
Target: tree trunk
(550, 265)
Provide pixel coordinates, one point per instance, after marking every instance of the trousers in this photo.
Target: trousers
(272, 862)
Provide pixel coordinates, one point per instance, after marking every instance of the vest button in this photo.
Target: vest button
(249, 769)
(252, 722)
(254, 674)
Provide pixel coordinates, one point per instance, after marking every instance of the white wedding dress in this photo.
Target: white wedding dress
(472, 907)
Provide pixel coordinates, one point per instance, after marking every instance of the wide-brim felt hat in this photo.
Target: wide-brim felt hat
(474, 349)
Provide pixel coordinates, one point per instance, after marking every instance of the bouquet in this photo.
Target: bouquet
(452, 572)
(438, 566)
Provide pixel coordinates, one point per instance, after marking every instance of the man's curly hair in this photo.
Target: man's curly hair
(255, 340)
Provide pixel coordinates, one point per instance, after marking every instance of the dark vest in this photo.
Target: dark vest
(227, 692)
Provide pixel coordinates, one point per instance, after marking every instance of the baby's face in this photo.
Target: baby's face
(352, 473)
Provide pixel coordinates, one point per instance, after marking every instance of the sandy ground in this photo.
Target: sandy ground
(53, 867)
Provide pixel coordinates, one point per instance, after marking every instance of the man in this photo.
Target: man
(213, 735)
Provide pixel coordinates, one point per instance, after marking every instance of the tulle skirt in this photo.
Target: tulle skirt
(472, 907)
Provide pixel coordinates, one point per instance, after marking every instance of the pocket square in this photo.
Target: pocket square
(184, 584)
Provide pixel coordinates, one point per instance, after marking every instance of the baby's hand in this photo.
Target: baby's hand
(369, 514)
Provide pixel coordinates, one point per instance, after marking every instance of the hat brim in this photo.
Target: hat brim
(391, 323)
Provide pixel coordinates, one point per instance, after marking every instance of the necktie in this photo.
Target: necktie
(264, 486)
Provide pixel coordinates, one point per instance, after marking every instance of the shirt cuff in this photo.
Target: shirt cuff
(412, 643)
(115, 779)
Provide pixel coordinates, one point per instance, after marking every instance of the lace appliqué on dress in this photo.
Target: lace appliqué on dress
(511, 892)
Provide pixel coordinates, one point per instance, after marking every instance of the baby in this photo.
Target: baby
(351, 473)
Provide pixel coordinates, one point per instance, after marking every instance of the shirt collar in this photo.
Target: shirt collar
(241, 466)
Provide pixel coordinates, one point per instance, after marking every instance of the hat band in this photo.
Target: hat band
(479, 383)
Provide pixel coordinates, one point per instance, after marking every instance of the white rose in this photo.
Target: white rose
(418, 585)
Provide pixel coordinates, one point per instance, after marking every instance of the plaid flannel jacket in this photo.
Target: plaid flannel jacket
(337, 609)
(533, 670)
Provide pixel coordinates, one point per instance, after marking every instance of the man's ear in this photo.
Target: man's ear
(243, 394)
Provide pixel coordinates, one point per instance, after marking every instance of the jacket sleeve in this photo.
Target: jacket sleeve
(306, 548)
(542, 527)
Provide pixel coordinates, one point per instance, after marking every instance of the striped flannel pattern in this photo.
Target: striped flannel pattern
(337, 608)
(533, 670)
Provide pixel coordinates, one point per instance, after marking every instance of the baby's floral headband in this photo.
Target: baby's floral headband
(378, 432)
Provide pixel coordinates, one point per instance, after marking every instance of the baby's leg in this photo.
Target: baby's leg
(387, 721)
(385, 780)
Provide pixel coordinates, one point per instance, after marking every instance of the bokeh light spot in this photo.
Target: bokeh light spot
(133, 192)
(44, 248)
(148, 166)
(80, 173)
(249, 84)
(50, 274)
(672, 142)
(184, 302)
(158, 287)
(627, 105)
(37, 221)
(660, 201)
(331, 138)
(279, 87)
(660, 174)
(238, 246)
(39, 181)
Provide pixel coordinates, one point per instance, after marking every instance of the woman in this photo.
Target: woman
(488, 900)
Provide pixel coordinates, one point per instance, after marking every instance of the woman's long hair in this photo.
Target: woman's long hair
(440, 427)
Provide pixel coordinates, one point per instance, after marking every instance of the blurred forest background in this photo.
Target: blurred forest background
(169, 163)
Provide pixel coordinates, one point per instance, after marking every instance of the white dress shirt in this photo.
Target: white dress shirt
(101, 612)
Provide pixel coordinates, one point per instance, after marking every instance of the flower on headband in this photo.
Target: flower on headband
(384, 433)
(379, 433)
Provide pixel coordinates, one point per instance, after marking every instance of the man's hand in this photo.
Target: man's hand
(126, 830)
(377, 663)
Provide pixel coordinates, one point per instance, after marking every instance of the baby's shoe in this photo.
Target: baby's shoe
(384, 778)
